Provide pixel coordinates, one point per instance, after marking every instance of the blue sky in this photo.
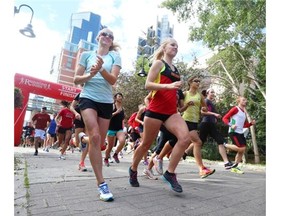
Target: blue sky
(51, 25)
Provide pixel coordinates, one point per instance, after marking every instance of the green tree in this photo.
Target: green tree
(237, 29)
(18, 98)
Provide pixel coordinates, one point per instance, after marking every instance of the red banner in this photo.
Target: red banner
(45, 88)
(36, 86)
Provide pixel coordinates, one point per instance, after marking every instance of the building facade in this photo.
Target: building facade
(154, 36)
(84, 28)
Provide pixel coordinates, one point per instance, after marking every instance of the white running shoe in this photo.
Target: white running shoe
(82, 167)
(105, 194)
(81, 135)
(158, 163)
(62, 157)
(149, 174)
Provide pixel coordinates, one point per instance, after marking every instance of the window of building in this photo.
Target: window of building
(69, 63)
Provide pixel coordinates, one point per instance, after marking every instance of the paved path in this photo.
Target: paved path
(56, 187)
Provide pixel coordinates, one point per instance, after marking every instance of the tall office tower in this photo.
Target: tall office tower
(84, 28)
(154, 36)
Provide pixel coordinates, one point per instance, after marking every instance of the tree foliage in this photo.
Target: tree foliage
(18, 98)
(133, 90)
(217, 22)
(236, 31)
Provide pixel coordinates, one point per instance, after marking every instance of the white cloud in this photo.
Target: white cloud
(126, 18)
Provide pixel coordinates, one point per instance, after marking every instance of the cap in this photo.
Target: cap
(44, 108)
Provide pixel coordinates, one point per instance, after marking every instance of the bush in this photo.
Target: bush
(18, 98)
(210, 151)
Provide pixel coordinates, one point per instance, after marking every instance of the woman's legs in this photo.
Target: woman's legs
(177, 126)
(96, 137)
(110, 145)
(149, 135)
(121, 142)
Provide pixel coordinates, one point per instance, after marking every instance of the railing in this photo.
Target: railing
(34, 104)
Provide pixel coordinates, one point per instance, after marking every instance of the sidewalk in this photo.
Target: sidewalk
(56, 187)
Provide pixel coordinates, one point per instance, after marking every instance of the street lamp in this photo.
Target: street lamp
(142, 72)
(27, 31)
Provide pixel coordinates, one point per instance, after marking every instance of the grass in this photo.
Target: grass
(17, 163)
(26, 179)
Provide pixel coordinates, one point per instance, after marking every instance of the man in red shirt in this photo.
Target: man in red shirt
(41, 121)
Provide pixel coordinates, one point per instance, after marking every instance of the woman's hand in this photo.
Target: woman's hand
(97, 66)
(78, 116)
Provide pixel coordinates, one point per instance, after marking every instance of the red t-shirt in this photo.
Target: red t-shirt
(67, 118)
(41, 120)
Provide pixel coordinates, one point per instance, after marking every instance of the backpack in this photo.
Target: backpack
(132, 122)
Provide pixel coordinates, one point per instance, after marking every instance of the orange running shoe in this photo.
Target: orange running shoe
(205, 172)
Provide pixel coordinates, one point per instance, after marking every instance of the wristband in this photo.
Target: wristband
(101, 70)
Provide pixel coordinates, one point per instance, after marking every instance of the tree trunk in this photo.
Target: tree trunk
(254, 142)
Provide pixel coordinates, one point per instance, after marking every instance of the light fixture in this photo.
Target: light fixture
(142, 72)
(27, 31)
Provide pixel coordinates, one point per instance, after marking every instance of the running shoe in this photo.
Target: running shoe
(133, 178)
(110, 160)
(234, 165)
(115, 156)
(106, 162)
(205, 172)
(228, 165)
(184, 156)
(149, 174)
(62, 157)
(158, 163)
(172, 180)
(145, 162)
(103, 147)
(81, 135)
(237, 170)
(82, 167)
(105, 194)
(121, 154)
(36, 153)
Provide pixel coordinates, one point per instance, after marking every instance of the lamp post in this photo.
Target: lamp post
(27, 31)
(142, 72)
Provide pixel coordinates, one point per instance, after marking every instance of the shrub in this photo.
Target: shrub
(18, 98)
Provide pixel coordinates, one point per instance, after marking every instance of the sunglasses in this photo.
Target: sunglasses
(105, 34)
(197, 81)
